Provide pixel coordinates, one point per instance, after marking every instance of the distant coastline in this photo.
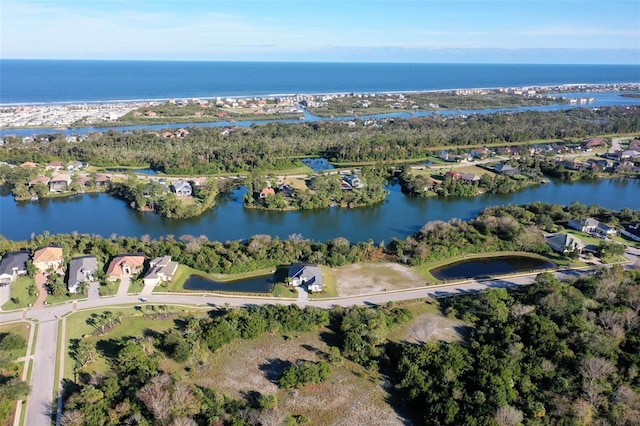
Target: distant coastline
(36, 82)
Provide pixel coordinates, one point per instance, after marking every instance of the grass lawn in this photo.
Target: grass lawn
(20, 294)
(425, 269)
(474, 169)
(135, 287)
(22, 329)
(109, 288)
(281, 290)
(51, 300)
(329, 280)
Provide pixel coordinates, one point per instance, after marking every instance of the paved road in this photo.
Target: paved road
(39, 403)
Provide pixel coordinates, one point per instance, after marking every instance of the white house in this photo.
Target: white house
(631, 231)
(81, 269)
(161, 269)
(309, 275)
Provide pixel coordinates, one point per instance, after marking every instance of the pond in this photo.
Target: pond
(317, 164)
(489, 266)
(262, 284)
(139, 171)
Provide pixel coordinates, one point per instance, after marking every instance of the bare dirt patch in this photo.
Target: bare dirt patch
(351, 396)
(367, 278)
(431, 327)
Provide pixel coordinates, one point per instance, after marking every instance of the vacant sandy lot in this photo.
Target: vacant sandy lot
(367, 278)
(351, 396)
(432, 327)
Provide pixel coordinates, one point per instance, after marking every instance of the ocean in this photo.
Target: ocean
(56, 81)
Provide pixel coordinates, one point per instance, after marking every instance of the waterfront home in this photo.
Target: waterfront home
(60, 183)
(505, 169)
(48, 258)
(285, 189)
(182, 188)
(565, 243)
(352, 182)
(592, 226)
(81, 270)
(125, 265)
(13, 263)
(306, 275)
(161, 269)
(82, 181)
(265, 192)
(102, 180)
(39, 179)
(631, 231)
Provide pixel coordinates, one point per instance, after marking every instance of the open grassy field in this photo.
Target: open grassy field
(475, 170)
(134, 324)
(22, 329)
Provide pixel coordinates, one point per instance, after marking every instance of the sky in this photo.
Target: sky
(476, 31)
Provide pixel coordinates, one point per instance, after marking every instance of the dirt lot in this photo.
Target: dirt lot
(366, 278)
(435, 327)
(351, 396)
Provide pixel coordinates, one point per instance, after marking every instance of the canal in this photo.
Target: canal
(399, 216)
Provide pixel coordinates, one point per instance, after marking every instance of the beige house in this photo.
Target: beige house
(47, 258)
(125, 264)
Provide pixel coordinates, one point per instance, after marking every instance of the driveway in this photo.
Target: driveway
(5, 294)
(40, 280)
(125, 281)
(94, 291)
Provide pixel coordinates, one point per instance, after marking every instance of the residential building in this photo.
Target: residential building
(266, 192)
(564, 243)
(47, 258)
(81, 270)
(60, 183)
(39, 179)
(285, 189)
(505, 169)
(55, 165)
(13, 263)
(182, 188)
(592, 226)
(125, 264)
(631, 231)
(306, 274)
(161, 269)
(102, 180)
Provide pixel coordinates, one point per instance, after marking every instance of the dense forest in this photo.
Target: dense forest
(553, 353)
(277, 146)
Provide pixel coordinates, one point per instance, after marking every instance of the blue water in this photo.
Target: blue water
(44, 81)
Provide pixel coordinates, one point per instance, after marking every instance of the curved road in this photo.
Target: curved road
(40, 402)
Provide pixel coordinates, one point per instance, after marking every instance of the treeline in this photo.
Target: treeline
(277, 146)
(554, 353)
(512, 227)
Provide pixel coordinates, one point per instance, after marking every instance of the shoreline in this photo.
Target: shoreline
(565, 86)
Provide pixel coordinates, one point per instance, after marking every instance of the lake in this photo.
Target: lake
(491, 266)
(399, 216)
